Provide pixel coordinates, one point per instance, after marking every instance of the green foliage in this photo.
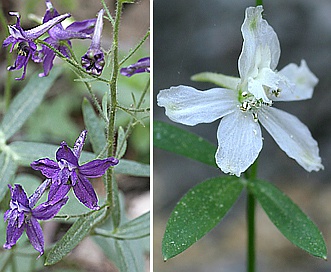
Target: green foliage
(288, 218)
(26, 102)
(199, 211)
(74, 235)
(182, 142)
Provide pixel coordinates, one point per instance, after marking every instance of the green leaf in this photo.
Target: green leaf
(288, 218)
(78, 231)
(95, 127)
(199, 211)
(7, 171)
(121, 143)
(182, 142)
(134, 229)
(218, 79)
(127, 260)
(132, 168)
(25, 103)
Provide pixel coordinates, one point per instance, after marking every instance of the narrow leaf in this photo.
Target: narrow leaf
(198, 212)
(134, 229)
(78, 231)
(182, 142)
(25, 103)
(95, 127)
(127, 259)
(121, 143)
(288, 218)
(7, 171)
(218, 79)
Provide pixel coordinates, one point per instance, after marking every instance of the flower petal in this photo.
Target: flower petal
(48, 210)
(35, 235)
(239, 142)
(65, 153)
(303, 79)
(58, 191)
(33, 199)
(19, 195)
(79, 143)
(13, 234)
(85, 26)
(97, 168)
(47, 167)
(85, 193)
(189, 106)
(292, 136)
(261, 46)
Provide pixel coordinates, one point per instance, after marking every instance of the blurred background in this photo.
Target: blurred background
(200, 36)
(60, 117)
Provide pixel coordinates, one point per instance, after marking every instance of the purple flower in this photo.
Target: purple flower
(60, 38)
(93, 60)
(22, 216)
(140, 66)
(25, 40)
(67, 167)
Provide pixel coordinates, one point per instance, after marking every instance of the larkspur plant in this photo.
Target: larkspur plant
(242, 105)
(89, 213)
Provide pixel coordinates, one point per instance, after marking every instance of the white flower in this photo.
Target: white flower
(247, 103)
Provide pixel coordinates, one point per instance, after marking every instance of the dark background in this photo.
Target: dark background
(196, 36)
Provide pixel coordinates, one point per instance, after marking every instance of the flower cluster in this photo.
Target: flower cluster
(58, 39)
(248, 100)
(61, 175)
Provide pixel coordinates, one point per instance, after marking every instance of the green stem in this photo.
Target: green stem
(251, 174)
(259, 2)
(111, 196)
(251, 233)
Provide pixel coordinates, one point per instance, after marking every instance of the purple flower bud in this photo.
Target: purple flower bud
(140, 66)
(93, 61)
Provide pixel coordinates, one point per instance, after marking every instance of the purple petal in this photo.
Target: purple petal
(85, 193)
(33, 199)
(79, 143)
(85, 26)
(36, 32)
(13, 234)
(35, 235)
(97, 168)
(65, 153)
(48, 210)
(58, 192)
(142, 65)
(47, 167)
(59, 34)
(51, 12)
(19, 195)
(93, 61)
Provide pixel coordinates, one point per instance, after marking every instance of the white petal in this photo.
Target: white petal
(239, 142)
(303, 79)
(292, 136)
(261, 43)
(189, 106)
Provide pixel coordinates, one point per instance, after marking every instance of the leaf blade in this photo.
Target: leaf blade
(25, 103)
(289, 218)
(94, 126)
(78, 231)
(190, 220)
(179, 141)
